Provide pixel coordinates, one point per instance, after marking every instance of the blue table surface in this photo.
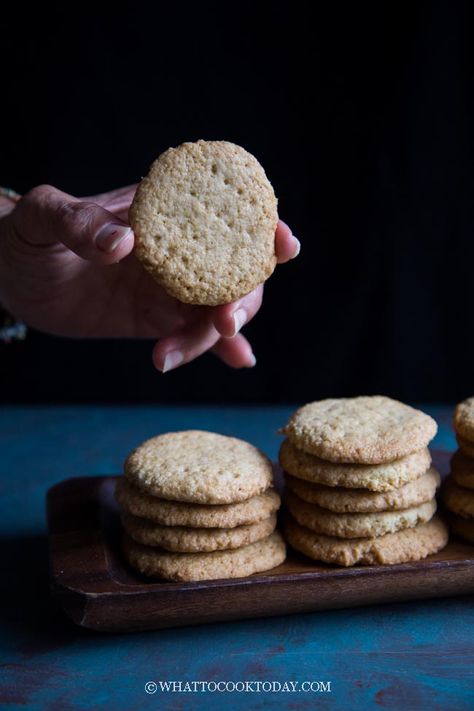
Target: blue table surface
(415, 655)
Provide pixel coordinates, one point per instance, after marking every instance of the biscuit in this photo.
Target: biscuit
(364, 430)
(356, 525)
(410, 544)
(376, 477)
(462, 527)
(361, 501)
(199, 467)
(204, 220)
(464, 419)
(458, 499)
(177, 513)
(466, 445)
(235, 563)
(462, 469)
(181, 539)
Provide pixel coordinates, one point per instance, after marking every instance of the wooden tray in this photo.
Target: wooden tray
(99, 591)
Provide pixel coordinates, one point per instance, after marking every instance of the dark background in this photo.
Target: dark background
(362, 115)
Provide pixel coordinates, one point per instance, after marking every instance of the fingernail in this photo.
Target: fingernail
(252, 361)
(297, 246)
(240, 317)
(111, 235)
(172, 360)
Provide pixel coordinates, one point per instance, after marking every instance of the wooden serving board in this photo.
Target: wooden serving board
(99, 591)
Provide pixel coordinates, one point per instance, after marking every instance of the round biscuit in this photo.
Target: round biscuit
(462, 469)
(464, 419)
(404, 546)
(204, 220)
(365, 430)
(458, 499)
(178, 513)
(462, 527)
(465, 445)
(235, 563)
(342, 500)
(356, 525)
(375, 477)
(181, 539)
(199, 467)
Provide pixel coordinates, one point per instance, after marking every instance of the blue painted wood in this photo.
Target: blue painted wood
(411, 656)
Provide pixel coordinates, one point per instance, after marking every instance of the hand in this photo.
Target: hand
(67, 268)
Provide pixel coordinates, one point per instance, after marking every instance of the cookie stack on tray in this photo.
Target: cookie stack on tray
(458, 489)
(199, 506)
(360, 488)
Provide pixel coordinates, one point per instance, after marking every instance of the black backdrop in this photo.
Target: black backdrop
(362, 115)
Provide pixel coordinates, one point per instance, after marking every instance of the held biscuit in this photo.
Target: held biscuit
(204, 220)
(190, 540)
(462, 469)
(410, 544)
(464, 419)
(363, 430)
(199, 467)
(235, 563)
(342, 500)
(177, 513)
(356, 525)
(376, 477)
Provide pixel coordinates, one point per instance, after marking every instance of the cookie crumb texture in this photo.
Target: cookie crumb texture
(182, 539)
(199, 467)
(385, 477)
(204, 220)
(411, 544)
(464, 419)
(365, 430)
(236, 563)
(357, 525)
(179, 513)
(342, 500)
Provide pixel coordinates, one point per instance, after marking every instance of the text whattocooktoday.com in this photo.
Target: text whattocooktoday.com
(230, 687)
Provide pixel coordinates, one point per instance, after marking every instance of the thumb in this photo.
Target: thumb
(46, 216)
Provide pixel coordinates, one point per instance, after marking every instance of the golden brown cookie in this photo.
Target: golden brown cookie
(363, 430)
(462, 527)
(199, 467)
(464, 419)
(178, 513)
(462, 468)
(181, 539)
(235, 563)
(356, 525)
(401, 547)
(458, 499)
(466, 446)
(342, 500)
(376, 477)
(204, 220)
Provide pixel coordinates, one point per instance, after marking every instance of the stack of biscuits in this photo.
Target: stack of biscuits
(359, 485)
(458, 489)
(199, 506)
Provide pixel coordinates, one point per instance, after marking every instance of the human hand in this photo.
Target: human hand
(67, 267)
